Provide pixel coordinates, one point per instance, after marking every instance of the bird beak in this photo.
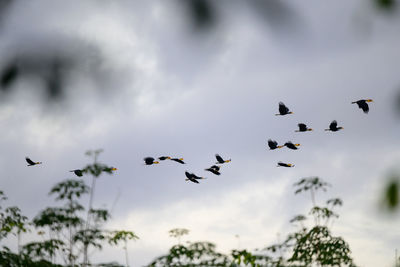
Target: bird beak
(297, 144)
(156, 162)
(280, 146)
(310, 129)
(168, 157)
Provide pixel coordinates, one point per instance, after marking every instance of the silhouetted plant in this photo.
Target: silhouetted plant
(72, 229)
(194, 254)
(315, 245)
(178, 233)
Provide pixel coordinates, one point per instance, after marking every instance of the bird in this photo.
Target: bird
(290, 145)
(192, 177)
(214, 169)
(180, 160)
(363, 104)
(164, 158)
(283, 110)
(150, 161)
(31, 162)
(77, 172)
(281, 164)
(273, 144)
(220, 160)
(333, 127)
(303, 128)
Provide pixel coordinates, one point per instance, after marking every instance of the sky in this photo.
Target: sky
(142, 80)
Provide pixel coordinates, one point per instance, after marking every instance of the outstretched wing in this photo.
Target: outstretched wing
(29, 161)
(282, 108)
(333, 125)
(272, 144)
(219, 158)
(302, 127)
(148, 160)
(364, 106)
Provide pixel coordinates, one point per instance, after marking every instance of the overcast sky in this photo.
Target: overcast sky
(143, 82)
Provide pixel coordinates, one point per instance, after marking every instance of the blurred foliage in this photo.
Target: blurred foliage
(391, 194)
(386, 4)
(202, 13)
(194, 254)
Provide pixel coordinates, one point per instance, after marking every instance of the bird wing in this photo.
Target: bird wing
(302, 127)
(148, 160)
(215, 167)
(283, 108)
(194, 180)
(219, 158)
(333, 124)
(364, 106)
(29, 161)
(272, 144)
(189, 175)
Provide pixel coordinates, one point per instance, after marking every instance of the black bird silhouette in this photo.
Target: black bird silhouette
(192, 177)
(281, 164)
(77, 172)
(178, 160)
(220, 160)
(303, 128)
(283, 110)
(164, 158)
(333, 127)
(290, 145)
(31, 162)
(362, 104)
(273, 144)
(150, 161)
(214, 169)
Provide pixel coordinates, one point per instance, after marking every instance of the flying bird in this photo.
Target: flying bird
(164, 158)
(288, 165)
(290, 145)
(31, 162)
(214, 169)
(363, 104)
(303, 128)
(192, 177)
(283, 110)
(150, 161)
(333, 127)
(178, 160)
(273, 144)
(77, 172)
(220, 160)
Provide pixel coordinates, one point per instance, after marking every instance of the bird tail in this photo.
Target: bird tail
(353, 102)
(277, 114)
(327, 129)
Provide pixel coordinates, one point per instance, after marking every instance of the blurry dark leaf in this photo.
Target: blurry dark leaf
(9, 75)
(391, 195)
(385, 4)
(202, 12)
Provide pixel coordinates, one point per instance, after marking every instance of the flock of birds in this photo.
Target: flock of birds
(215, 169)
(283, 110)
